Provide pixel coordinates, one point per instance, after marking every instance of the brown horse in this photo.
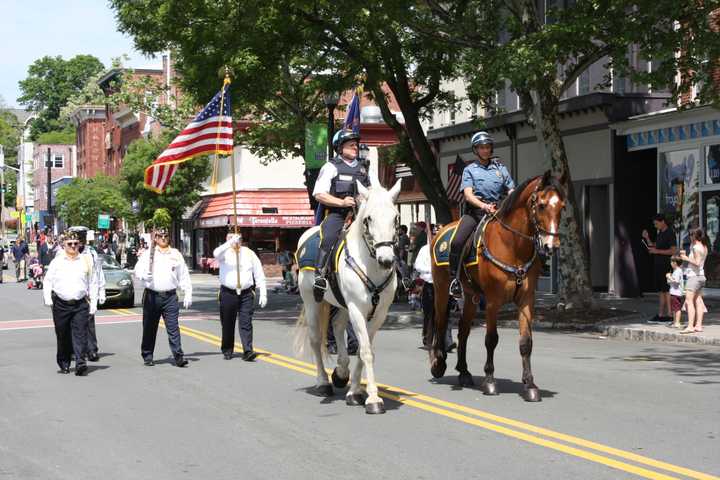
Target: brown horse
(507, 271)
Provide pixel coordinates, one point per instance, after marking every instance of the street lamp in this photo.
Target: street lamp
(331, 101)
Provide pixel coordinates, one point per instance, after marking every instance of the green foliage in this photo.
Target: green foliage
(82, 200)
(182, 192)
(50, 83)
(10, 130)
(63, 137)
(160, 219)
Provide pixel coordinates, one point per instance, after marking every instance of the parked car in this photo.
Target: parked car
(119, 287)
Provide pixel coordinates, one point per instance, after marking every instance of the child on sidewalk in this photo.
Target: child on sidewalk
(677, 294)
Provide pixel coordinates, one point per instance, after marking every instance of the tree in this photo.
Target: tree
(184, 188)
(82, 200)
(51, 81)
(290, 51)
(542, 57)
(10, 130)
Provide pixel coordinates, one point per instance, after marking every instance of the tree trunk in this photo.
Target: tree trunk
(541, 107)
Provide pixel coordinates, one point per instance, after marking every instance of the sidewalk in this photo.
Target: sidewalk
(621, 318)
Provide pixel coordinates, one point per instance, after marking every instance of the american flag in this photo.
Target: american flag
(210, 132)
(352, 119)
(455, 171)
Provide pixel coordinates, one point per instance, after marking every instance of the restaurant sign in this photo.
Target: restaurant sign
(266, 221)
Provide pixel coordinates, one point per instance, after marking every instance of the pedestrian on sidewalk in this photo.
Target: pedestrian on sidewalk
(237, 301)
(695, 273)
(662, 249)
(2, 259)
(20, 253)
(423, 267)
(70, 288)
(677, 294)
(162, 269)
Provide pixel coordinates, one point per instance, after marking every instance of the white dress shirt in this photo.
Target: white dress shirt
(71, 279)
(169, 271)
(97, 262)
(327, 173)
(423, 264)
(251, 271)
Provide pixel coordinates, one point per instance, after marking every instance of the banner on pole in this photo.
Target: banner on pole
(316, 145)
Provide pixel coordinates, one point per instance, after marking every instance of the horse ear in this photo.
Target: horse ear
(395, 190)
(363, 192)
(546, 178)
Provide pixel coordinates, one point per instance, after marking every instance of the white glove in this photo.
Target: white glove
(263, 300)
(48, 303)
(234, 240)
(101, 297)
(187, 302)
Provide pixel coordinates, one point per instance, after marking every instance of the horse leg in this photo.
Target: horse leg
(531, 392)
(316, 322)
(437, 350)
(491, 340)
(341, 374)
(373, 403)
(465, 378)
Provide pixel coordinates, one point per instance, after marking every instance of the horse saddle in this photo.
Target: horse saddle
(308, 251)
(441, 246)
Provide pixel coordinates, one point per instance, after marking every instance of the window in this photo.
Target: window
(679, 185)
(712, 164)
(58, 160)
(584, 83)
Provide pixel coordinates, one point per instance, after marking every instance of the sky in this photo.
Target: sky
(32, 29)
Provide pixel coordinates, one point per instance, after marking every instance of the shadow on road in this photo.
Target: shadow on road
(504, 385)
(685, 362)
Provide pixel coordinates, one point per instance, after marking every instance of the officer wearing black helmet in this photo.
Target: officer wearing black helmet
(335, 189)
(484, 182)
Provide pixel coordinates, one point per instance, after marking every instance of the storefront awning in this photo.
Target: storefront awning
(272, 208)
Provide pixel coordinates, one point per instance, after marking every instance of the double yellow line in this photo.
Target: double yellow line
(578, 447)
(122, 311)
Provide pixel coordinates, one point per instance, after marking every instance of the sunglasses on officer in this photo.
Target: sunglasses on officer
(72, 243)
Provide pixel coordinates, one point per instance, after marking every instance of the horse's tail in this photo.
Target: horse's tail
(301, 341)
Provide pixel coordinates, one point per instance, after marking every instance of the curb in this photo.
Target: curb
(606, 328)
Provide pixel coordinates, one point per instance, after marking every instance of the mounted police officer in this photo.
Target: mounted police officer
(484, 182)
(335, 189)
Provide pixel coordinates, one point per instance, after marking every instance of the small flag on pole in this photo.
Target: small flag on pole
(210, 132)
(352, 119)
(455, 171)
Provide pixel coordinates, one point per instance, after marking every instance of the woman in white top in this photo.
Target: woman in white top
(695, 273)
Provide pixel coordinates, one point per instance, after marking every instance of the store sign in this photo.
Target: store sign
(263, 221)
(316, 145)
(213, 222)
(103, 222)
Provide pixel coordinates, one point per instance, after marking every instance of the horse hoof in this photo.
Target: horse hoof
(438, 367)
(355, 400)
(490, 388)
(465, 379)
(532, 395)
(325, 390)
(338, 381)
(374, 408)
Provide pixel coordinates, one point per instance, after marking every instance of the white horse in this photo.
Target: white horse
(365, 270)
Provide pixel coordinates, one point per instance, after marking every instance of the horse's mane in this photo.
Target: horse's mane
(546, 181)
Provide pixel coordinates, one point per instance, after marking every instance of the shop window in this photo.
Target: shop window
(269, 210)
(711, 221)
(712, 164)
(679, 190)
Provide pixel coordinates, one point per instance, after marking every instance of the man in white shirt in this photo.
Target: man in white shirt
(239, 300)
(70, 287)
(423, 267)
(162, 269)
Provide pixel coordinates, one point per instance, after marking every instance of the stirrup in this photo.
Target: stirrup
(456, 289)
(319, 288)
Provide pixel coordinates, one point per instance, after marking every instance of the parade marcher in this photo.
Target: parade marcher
(237, 302)
(484, 182)
(70, 287)
(92, 347)
(162, 269)
(423, 267)
(335, 189)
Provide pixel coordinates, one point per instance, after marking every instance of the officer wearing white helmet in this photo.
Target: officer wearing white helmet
(335, 189)
(484, 182)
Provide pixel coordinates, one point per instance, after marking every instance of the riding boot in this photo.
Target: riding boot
(320, 281)
(455, 287)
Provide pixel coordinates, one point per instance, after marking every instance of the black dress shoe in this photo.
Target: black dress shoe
(180, 361)
(64, 370)
(93, 357)
(149, 362)
(227, 356)
(249, 355)
(332, 349)
(81, 371)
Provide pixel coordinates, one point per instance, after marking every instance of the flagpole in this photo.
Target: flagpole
(226, 82)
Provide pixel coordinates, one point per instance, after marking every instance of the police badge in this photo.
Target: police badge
(443, 247)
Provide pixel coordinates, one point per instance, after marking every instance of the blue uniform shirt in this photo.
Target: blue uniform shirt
(490, 182)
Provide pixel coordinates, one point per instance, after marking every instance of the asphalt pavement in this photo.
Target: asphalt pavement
(610, 409)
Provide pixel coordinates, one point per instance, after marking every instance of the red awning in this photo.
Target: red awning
(271, 208)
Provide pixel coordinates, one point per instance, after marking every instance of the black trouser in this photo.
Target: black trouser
(465, 228)
(236, 307)
(330, 230)
(70, 319)
(156, 304)
(428, 306)
(91, 336)
(352, 341)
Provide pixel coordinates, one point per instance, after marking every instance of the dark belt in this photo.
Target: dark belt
(166, 293)
(232, 290)
(56, 298)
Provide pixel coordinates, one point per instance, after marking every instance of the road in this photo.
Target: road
(609, 410)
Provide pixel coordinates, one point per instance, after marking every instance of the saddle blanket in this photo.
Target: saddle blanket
(441, 248)
(307, 252)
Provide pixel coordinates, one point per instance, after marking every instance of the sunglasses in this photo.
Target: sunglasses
(162, 235)
(72, 244)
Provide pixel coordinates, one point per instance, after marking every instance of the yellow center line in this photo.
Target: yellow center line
(460, 413)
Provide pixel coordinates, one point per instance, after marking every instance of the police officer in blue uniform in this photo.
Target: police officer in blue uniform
(484, 182)
(335, 190)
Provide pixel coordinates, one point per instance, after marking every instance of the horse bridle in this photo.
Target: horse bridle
(370, 243)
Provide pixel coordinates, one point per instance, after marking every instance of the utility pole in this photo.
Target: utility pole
(2, 193)
(49, 190)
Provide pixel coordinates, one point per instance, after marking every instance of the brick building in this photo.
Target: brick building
(90, 122)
